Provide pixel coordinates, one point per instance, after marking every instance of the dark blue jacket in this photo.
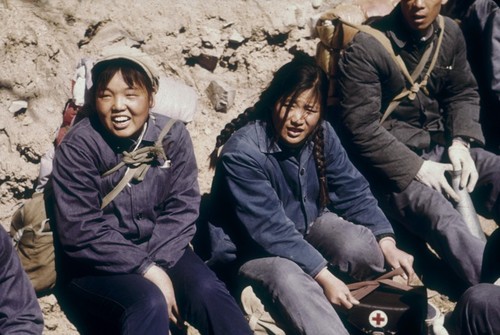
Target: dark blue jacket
(19, 309)
(266, 197)
(151, 221)
(481, 27)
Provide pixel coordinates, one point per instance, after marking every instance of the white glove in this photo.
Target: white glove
(432, 174)
(461, 159)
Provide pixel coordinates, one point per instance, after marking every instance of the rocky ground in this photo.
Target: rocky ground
(237, 44)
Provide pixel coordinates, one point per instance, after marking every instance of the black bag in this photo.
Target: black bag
(387, 307)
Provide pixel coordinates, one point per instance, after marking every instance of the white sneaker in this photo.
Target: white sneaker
(434, 322)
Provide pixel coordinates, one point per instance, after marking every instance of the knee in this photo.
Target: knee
(478, 310)
(151, 302)
(479, 297)
(362, 249)
(208, 292)
(275, 274)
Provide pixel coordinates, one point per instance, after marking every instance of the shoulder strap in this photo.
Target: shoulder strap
(137, 170)
(415, 87)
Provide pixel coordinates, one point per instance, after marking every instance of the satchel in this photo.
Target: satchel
(387, 307)
(33, 241)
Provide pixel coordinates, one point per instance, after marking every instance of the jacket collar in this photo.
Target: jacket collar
(269, 145)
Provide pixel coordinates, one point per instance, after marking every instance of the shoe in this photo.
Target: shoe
(434, 322)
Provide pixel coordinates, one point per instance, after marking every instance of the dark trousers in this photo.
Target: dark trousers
(427, 214)
(131, 304)
(477, 312)
(19, 309)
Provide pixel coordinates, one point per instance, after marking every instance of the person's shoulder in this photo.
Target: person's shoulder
(246, 140)
(160, 121)
(81, 132)
(484, 6)
(451, 25)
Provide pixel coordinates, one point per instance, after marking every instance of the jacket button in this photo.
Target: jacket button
(302, 171)
(139, 216)
(305, 198)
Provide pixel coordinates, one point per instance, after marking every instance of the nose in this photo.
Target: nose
(118, 103)
(419, 3)
(296, 115)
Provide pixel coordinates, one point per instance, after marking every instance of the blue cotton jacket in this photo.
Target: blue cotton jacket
(20, 312)
(150, 221)
(267, 198)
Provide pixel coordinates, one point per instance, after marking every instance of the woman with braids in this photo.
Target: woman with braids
(295, 207)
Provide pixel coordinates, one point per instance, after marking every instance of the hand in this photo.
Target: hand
(397, 258)
(160, 278)
(432, 174)
(461, 160)
(335, 290)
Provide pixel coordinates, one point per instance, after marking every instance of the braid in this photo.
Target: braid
(228, 130)
(319, 158)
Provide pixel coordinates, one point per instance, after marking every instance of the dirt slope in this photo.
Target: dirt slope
(42, 41)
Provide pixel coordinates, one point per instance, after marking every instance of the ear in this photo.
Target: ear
(152, 100)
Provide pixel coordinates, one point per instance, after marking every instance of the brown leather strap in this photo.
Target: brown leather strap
(361, 289)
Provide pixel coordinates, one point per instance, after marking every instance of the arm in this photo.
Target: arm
(175, 223)
(159, 277)
(336, 291)
(368, 74)
(260, 211)
(19, 309)
(349, 191)
(351, 197)
(494, 54)
(459, 98)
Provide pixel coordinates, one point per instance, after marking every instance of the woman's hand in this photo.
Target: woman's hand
(160, 278)
(397, 258)
(335, 290)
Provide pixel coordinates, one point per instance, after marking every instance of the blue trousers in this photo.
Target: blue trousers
(299, 301)
(19, 309)
(131, 304)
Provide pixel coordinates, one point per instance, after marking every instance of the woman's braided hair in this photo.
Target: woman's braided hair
(289, 82)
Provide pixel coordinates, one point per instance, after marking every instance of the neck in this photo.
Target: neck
(425, 35)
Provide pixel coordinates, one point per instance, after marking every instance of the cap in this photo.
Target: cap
(135, 55)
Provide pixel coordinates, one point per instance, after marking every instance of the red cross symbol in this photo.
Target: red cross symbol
(378, 319)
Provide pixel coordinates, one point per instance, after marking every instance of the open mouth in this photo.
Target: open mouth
(294, 132)
(120, 121)
(419, 18)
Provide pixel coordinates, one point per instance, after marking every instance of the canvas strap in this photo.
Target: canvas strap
(138, 163)
(415, 87)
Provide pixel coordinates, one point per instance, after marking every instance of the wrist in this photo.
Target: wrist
(322, 277)
(387, 243)
(461, 142)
